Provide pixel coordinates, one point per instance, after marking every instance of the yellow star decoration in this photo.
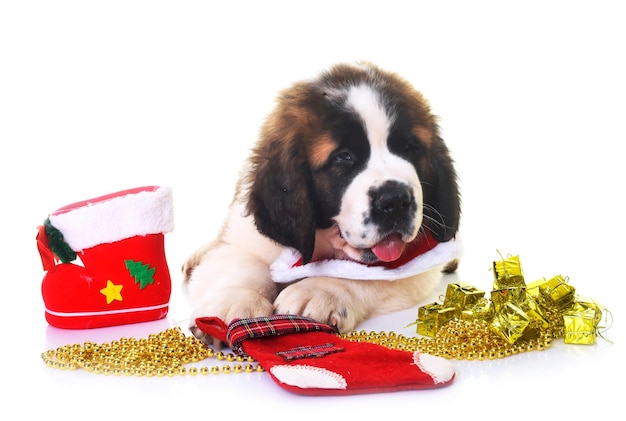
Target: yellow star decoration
(112, 292)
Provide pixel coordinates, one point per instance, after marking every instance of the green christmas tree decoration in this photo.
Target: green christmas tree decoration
(142, 273)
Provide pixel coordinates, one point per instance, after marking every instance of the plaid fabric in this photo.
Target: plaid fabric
(315, 351)
(278, 324)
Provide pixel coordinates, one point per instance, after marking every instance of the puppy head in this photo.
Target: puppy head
(356, 150)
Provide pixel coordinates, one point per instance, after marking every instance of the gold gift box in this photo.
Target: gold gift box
(515, 296)
(516, 311)
(557, 293)
(481, 310)
(461, 295)
(532, 289)
(432, 316)
(580, 326)
(508, 273)
(535, 312)
(584, 303)
(510, 322)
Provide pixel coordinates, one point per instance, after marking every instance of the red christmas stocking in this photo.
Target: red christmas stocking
(124, 277)
(309, 358)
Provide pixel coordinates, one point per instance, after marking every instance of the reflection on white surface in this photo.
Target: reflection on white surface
(560, 372)
(96, 99)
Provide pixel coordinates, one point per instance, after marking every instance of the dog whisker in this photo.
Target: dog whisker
(434, 222)
(439, 221)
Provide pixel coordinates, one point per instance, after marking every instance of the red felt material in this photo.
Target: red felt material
(423, 243)
(72, 293)
(113, 282)
(352, 367)
(47, 257)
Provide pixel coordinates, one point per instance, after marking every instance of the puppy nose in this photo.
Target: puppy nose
(391, 198)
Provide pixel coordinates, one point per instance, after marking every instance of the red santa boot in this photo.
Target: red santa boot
(307, 357)
(124, 277)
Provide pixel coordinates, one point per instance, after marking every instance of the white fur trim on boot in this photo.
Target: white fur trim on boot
(116, 217)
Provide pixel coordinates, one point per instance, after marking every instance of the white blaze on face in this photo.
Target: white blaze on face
(382, 166)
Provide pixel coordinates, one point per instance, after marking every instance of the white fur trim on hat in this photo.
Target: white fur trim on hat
(283, 269)
(137, 213)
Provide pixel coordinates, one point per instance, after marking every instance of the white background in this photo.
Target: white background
(97, 97)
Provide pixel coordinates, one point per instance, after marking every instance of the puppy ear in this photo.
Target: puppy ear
(442, 199)
(280, 196)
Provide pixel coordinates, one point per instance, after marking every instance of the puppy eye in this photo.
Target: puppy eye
(412, 145)
(344, 158)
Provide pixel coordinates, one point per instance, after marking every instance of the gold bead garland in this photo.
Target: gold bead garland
(161, 354)
(459, 339)
(165, 353)
(466, 339)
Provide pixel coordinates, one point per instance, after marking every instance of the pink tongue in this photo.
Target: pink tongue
(389, 249)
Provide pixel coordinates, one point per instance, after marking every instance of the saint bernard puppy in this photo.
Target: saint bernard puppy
(347, 208)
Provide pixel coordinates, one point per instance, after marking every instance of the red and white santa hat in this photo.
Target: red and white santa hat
(423, 255)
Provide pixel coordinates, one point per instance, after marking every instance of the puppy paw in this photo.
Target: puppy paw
(205, 337)
(318, 304)
(230, 304)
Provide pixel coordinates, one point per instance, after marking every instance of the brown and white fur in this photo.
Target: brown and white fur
(345, 162)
